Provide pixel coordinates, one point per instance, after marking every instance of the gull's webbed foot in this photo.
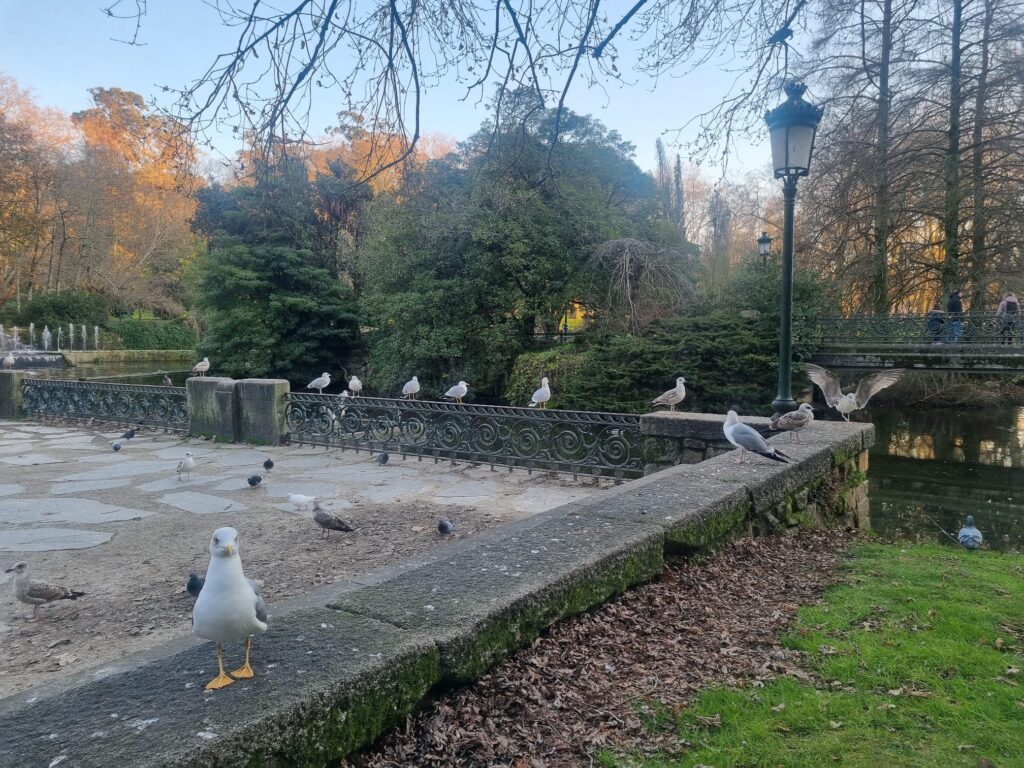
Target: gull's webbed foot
(220, 681)
(243, 673)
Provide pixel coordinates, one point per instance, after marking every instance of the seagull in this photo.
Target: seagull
(167, 381)
(195, 584)
(230, 607)
(746, 438)
(320, 383)
(851, 401)
(186, 466)
(9, 360)
(202, 366)
(254, 480)
(673, 397)
(268, 464)
(445, 526)
(329, 522)
(382, 458)
(116, 447)
(794, 421)
(458, 392)
(411, 388)
(542, 395)
(969, 536)
(355, 385)
(35, 593)
(129, 434)
(299, 500)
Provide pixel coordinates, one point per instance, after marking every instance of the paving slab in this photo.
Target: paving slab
(201, 503)
(68, 509)
(29, 459)
(10, 489)
(49, 539)
(170, 483)
(80, 486)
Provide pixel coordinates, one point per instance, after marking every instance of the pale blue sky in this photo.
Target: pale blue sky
(60, 48)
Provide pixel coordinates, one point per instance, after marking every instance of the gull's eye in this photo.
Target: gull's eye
(216, 541)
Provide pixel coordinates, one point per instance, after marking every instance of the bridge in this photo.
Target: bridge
(989, 343)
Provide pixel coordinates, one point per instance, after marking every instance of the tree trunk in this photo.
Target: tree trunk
(951, 209)
(881, 244)
(979, 217)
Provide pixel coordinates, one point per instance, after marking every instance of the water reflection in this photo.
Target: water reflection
(945, 464)
(122, 373)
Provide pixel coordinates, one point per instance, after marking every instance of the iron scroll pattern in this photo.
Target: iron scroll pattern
(128, 403)
(572, 442)
(906, 330)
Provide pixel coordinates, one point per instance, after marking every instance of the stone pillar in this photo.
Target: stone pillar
(261, 404)
(10, 394)
(213, 407)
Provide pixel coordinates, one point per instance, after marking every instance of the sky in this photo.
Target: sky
(58, 49)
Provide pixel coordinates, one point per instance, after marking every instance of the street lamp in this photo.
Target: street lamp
(792, 126)
(764, 247)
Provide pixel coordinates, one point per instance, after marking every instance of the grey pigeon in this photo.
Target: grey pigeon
(382, 458)
(35, 593)
(328, 522)
(746, 438)
(116, 447)
(445, 526)
(254, 480)
(129, 434)
(195, 584)
(969, 536)
(268, 464)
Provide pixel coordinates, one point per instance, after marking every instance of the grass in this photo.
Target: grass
(915, 661)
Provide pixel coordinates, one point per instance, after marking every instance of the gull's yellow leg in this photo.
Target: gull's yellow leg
(244, 671)
(221, 680)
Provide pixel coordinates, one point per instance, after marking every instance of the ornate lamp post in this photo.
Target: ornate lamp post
(792, 126)
(764, 247)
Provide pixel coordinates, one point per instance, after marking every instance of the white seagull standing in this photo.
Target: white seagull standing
(851, 401)
(411, 388)
(299, 500)
(9, 360)
(230, 606)
(673, 397)
(794, 421)
(746, 438)
(202, 366)
(320, 383)
(458, 392)
(542, 395)
(186, 465)
(355, 386)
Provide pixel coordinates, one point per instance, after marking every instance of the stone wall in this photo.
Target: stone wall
(99, 356)
(340, 666)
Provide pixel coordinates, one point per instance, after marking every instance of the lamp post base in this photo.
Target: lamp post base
(783, 405)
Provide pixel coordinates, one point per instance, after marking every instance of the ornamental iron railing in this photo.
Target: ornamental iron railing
(905, 330)
(570, 442)
(126, 403)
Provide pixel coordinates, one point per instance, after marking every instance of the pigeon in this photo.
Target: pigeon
(202, 366)
(781, 36)
(129, 434)
(299, 500)
(794, 421)
(254, 480)
(230, 607)
(320, 383)
(445, 526)
(542, 395)
(851, 401)
(411, 388)
(969, 536)
(329, 522)
(355, 385)
(457, 392)
(186, 466)
(116, 447)
(36, 593)
(268, 464)
(746, 438)
(673, 397)
(195, 584)
(382, 458)
(167, 381)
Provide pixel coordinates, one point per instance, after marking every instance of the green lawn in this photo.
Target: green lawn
(915, 662)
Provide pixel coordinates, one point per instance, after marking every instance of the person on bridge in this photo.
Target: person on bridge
(1009, 313)
(934, 320)
(955, 310)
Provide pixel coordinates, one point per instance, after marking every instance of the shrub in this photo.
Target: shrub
(56, 309)
(151, 334)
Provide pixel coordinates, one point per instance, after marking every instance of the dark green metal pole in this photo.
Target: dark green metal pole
(784, 401)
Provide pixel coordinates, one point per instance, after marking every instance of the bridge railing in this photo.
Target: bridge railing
(910, 330)
(571, 442)
(124, 403)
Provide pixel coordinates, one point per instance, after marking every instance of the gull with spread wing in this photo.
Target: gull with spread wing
(852, 401)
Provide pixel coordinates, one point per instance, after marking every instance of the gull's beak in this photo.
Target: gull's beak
(229, 548)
